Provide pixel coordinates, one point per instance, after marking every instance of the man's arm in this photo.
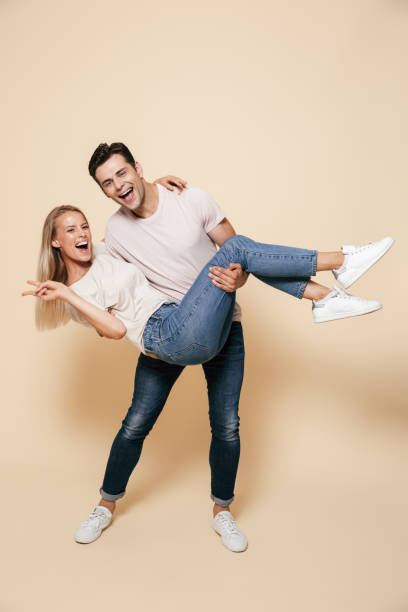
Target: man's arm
(232, 278)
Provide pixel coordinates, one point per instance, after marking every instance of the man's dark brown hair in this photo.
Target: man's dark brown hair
(104, 151)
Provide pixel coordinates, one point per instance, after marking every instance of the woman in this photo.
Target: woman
(95, 289)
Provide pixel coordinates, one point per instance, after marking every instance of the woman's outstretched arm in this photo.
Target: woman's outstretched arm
(105, 323)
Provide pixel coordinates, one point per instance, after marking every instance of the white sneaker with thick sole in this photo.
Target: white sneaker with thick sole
(231, 535)
(339, 305)
(92, 527)
(358, 259)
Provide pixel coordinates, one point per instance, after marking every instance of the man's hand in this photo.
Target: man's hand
(228, 279)
(170, 182)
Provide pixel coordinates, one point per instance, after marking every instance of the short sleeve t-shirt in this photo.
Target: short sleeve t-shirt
(120, 287)
(172, 246)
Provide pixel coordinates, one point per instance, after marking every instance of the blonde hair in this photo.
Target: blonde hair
(51, 266)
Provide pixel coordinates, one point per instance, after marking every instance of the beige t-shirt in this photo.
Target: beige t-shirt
(172, 246)
(122, 287)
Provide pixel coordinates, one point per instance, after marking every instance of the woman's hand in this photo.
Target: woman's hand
(49, 290)
(170, 181)
(228, 279)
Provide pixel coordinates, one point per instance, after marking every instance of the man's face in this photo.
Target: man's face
(121, 182)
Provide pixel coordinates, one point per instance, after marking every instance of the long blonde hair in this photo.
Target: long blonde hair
(51, 266)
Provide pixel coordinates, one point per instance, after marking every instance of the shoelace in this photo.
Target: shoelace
(361, 247)
(346, 296)
(229, 525)
(95, 516)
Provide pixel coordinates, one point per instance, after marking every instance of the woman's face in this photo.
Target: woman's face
(73, 237)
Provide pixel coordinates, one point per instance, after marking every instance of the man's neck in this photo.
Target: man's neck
(150, 201)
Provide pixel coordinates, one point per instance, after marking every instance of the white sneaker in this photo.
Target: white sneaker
(339, 305)
(358, 259)
(91, 528)
(232, 537)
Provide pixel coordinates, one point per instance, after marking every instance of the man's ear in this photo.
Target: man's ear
(55, 243)
(139, 169)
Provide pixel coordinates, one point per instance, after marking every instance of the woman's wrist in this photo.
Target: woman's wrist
(67, 295)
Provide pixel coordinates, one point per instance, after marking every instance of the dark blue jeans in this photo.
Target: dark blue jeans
(153, 382)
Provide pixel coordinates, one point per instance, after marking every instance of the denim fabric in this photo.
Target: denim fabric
(153, 382)
(195, 330)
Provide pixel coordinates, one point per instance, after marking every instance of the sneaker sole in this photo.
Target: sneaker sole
(343, 315)
(356, 275)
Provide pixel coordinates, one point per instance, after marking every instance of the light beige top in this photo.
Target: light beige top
(114, 284)
(172, 246)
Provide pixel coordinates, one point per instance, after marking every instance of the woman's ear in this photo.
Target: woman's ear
(55, 243)
(139, 169)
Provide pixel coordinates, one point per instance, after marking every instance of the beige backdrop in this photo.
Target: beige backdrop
(294, 116)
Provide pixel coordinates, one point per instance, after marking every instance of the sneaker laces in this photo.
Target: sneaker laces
(228, 524)
(351, 249)
(340, 293)
(96, 516)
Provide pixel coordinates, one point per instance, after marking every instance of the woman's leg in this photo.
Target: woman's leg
(332, 260)
(196, 330)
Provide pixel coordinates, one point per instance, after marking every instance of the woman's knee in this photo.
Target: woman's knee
(236, 246)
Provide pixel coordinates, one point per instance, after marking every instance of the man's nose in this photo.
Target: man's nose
(117, 181)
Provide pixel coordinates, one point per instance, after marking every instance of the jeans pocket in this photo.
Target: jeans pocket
(190, 355)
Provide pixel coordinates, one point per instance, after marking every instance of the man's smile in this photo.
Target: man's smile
(127, 195)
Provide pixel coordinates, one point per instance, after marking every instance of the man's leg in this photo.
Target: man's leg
(153, 382)
(224, 374)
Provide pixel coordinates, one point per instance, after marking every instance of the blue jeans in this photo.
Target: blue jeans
(195, 330)
(153, 382)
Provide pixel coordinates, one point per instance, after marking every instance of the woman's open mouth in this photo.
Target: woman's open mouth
(82, 246)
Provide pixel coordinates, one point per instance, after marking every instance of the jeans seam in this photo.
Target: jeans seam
(180, 327)
(314, 263)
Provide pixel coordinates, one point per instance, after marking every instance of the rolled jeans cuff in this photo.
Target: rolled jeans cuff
(109, 496)
(301, 288)
(221, 502)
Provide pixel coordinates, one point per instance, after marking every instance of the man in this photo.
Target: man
(170, 236)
